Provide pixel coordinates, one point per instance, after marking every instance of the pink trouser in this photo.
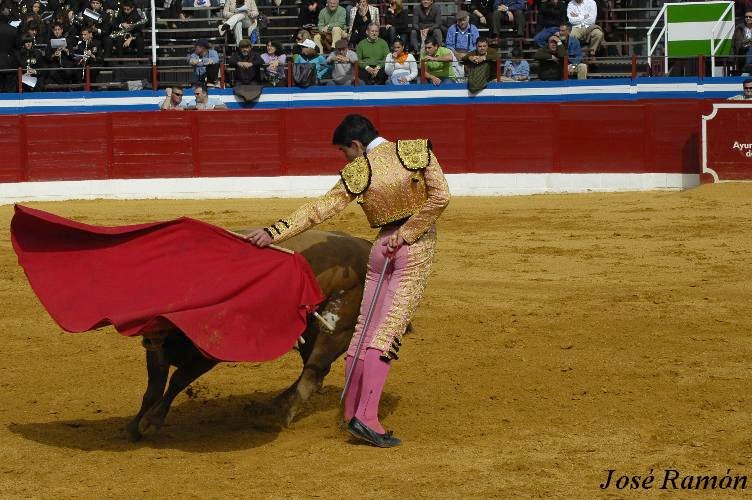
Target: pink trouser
(401, 291)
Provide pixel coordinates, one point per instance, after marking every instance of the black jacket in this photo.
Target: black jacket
(249, 75)
(8, 36)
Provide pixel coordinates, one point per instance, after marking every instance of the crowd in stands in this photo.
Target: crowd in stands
(335, 44)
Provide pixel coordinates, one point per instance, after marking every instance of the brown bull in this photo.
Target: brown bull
(339, 262)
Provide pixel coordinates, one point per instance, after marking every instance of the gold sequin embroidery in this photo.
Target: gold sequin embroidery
(414, 154)
(357, 175)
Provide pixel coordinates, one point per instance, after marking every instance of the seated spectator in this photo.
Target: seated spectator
(550, 59)
(742, 39)
(88, 51)
(343, 62)
(174, 99)
(101, 25)
(481, 12)
(240, 15)
(582, 15)
(203, 102)
(746, 94)
(551, 14)
(395, 23)
(247, 64)
(462, 36)
(360, 18)
(516, 69)
(60, 57)
(205, 62)
(275, 61)
(33, 29)
(30, 60)
(400, 66)
(480, 65)
(509, 12)
(372, 54)
(438, 62)
(574, 52)
(332, 26)
(427, 22)
(309, 56)
(308, 17)
(127, 31)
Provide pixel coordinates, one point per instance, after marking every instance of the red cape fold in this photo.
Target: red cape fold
(235, 301)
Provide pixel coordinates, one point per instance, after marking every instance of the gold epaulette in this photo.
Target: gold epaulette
(414, 154)
(356, 175)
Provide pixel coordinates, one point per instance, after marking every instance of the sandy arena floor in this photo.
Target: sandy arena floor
(560, 336)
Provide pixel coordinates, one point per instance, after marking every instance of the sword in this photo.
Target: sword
(348, 379)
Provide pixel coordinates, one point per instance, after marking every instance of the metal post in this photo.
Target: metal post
(87, 78)
(701, 66)
(634, 67)
(154, 31)
(222, 75)
(154, 77)
(289, 72)
(498, 69)
(20, 80)
(422, 71)
(565, 67)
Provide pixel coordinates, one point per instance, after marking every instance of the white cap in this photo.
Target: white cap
(307, 43)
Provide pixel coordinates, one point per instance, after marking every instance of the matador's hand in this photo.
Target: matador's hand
(394, 242)
(260, 238)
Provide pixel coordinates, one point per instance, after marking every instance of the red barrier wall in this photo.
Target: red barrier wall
(613, 137)
(729, 142)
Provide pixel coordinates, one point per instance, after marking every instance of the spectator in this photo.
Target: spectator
(31, 60)
(308, 17)
(550, 59)
(481, 12)
(173, 100)
(205, 62)
(742, 39)
(400, 66)
(360, 18)
(60, 57)
(426, 22)
(343, 61)
(275, 62)
(480, 65)
(309, 55)
(372, 54)
(240, 15)
(332, 25)
(462, 35)
(395, 24)
(127, 31)
(101, 25)
(509, 12)
(746, 95)
(88, 51)
(574, 52)
(582, 15)
(551, 14)
(33, 30)
(7, 43)
(203, 102)
(438, 62)
(516, 69)
(247, 64)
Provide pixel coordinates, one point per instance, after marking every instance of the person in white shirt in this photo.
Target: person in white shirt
(582, 15)
(400, 66)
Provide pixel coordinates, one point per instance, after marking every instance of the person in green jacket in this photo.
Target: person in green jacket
(372, 52)
(438, 62)
(550, 59)
(332, 26)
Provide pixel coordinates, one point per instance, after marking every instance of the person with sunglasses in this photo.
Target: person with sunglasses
(747, 94)
(202, 99)
(173, 100)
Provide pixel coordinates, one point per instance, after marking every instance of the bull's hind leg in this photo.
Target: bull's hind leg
(154, 417)
(157, 369)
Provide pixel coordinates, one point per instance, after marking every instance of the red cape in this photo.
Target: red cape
(235, 301)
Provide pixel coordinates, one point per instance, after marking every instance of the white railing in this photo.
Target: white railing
(714, 35)
(662, 35)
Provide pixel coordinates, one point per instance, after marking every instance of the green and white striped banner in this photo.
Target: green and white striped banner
(689, 27)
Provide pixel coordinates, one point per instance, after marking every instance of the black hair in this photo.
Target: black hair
(516, 52)
(354, 128)
(432, 40)
(481, 39)
(279, 50)
(201, 86)
(747, 81)
(567, 24)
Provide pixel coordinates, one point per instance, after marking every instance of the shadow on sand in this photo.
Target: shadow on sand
(197, 425)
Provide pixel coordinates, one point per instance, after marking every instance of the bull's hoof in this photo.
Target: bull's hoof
(132, 431)
(152, 419)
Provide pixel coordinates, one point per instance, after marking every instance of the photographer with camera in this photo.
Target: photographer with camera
(742, 39)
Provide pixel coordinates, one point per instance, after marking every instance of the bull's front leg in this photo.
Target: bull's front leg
(327, 346)
(157, 369)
